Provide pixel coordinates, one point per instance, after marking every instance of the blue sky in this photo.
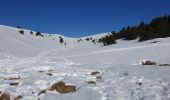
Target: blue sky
(76, 18)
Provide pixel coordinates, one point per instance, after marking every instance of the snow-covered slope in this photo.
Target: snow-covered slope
(26, 45)
(122, 77)
(96, 36)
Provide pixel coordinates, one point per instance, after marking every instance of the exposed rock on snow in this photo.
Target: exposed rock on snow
(62, 88)
(91, 82)
(117, 73)
(14, 84)
(98, 77)
(19, 97)
(95, 73)
(12, 77)
(164, 64)
(148, 63)
(5, 96)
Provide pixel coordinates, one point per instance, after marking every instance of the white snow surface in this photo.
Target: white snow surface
(119, 65)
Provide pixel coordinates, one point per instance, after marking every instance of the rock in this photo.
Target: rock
(41, 71)
(154, 41)
(5, 96)
(98, 77)
(164, 64)
(91, 82)
(18, 97)
(94, 73)
(50, 74)
(62, 88)
(12, 78)
(148, 63)
(59, 86)
(42, 92)
(125, 74)
(70, 88)
(14, 84)
(139, 82)
(50, 70)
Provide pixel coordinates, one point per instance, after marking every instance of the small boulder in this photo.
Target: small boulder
(14, 84)
(59, 87)
(40, 71)
(98, 77)
(19, 97)
(50, 70)
(125, 74)
(95, 73)
(12, 78)
(62, 88)
(139, 82)
(70, 88)
(42, 92)
(148, 63)
(50, 74)
(164, 64)
(5, 96)
(91, 82)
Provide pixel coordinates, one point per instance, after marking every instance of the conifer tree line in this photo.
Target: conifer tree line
(157, 28)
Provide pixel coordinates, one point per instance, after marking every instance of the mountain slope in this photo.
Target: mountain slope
(26, 44)
(121, 73)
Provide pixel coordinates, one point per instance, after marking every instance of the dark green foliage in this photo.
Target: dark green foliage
(19, 27)
(61, 40)
(91, 38)
(108, 39)
(87, 39)
(21, 32)
(31, 32)
(80, 40)
(39, 34)
(129, 33)
(157, 28)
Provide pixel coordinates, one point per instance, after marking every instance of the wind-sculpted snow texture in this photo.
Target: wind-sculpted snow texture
(28, 60)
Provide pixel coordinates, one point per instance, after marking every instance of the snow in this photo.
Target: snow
(120, 66)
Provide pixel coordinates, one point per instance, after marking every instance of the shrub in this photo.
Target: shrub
(39, 34)
(157, 28)
(90, 38)
(19, 27)
(31, 32)
(21, 31)
(61, 40)
(87, 39)
(80, 40)
(93, 40)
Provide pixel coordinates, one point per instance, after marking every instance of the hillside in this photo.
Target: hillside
(36, 63)
(26, 44)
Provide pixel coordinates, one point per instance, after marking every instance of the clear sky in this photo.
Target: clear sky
(76, 18)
